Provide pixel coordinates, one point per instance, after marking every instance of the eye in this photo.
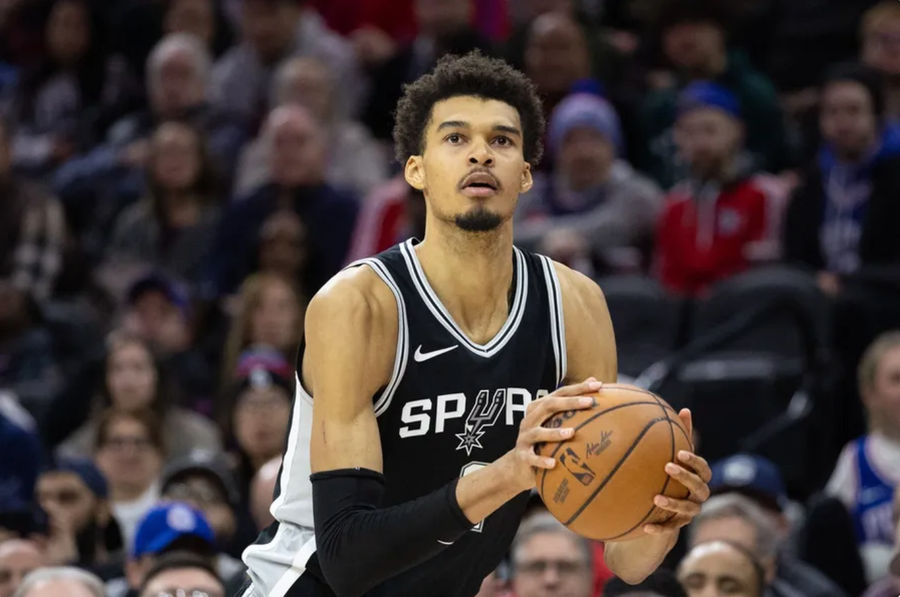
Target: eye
(503, 140)
(454, 138)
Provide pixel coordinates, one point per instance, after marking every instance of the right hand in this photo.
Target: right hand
(523, 459)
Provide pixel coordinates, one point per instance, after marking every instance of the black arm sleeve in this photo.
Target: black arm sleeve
(359, 544)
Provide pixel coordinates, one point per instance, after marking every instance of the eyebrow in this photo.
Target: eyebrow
(454, 124)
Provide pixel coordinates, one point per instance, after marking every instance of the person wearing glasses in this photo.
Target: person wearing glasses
(182, 574)
(548, 559)
(129, 451)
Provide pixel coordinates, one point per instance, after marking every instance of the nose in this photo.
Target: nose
(481, 154)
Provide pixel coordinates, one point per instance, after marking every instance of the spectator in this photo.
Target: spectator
(556, 57)
(354, 160)
(22, 459)
(94, 187)
(269, 316)
(735, 518)
(258, 412)
(63, 580)
(880, 33)
(282, 248)
(82, 531)
(661, 583)
(205, 481)
(868, 469)
(61, 93)
(889, 586)
(594, 206)
(392, 213)
(18, 557)
(694, 41)
(444, 28)
(262, 488)
(130, 453)
(549, 559)
(711, 220)
(173, 226)
(158, 310)
(134, 380)
(842, 218)
(274, 30)
(719, 568)
(166, 528)
(298, 183)
(492, 586)
(204, 19)
(181, 572)
(32, 229)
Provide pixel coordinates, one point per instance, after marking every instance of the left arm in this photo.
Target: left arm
(591, 351)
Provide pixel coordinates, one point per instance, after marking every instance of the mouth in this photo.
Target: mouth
(479, 184)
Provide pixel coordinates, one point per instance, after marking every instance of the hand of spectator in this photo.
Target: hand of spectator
(60, 545)
(373, 46)
(829, 283)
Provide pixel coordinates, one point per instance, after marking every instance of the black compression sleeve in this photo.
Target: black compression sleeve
(359, 544)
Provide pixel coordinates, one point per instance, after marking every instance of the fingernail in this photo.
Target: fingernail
(567, 432)
(595, 385)
(671, 468)
(684, 456)
(661, 501)
(586, 401)
(550, 462)
(650, 529)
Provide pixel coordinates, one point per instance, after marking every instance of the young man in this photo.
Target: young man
(433, 365)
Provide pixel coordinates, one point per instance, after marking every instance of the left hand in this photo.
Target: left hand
(693, 472)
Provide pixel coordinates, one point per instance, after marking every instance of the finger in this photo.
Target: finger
(537, 435)
(685, 507)
(688, 420)
(541, 462)
(586, 387)
(699, 490)
(696, 464)
(673, 524)
(546, 407)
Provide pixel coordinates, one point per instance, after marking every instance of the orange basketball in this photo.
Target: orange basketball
(608, 473)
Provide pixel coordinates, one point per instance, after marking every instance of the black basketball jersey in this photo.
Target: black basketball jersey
(451, 407)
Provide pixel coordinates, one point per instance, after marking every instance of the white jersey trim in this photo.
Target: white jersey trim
(557, 318)
(434, 304)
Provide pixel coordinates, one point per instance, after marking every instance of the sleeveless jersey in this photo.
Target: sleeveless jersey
(450, 407)
(872, 511)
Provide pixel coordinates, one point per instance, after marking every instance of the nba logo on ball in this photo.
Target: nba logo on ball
(603, 488)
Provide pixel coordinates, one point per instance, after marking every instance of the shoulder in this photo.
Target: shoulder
(578, 291)
(355, 298)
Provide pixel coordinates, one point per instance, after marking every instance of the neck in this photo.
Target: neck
(123, 492)
(712, 68)
(182, 209)
(471, 274)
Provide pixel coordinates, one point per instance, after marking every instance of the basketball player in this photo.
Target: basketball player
(432, 367)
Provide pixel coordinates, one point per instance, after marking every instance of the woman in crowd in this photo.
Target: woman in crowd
(134, 380)
(269, 314)
(173, 226)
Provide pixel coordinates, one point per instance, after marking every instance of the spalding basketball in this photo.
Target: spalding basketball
(608, 473)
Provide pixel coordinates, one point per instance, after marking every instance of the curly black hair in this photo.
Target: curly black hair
(473, 74)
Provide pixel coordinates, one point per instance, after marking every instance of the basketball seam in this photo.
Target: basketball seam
(585, 422)
(665, 483)
(615, 469)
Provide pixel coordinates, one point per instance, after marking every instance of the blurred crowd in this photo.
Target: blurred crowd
(179, 177)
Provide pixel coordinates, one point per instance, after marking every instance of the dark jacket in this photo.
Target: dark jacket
(879, 243)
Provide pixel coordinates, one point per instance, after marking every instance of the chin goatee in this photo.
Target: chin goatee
(478, 220)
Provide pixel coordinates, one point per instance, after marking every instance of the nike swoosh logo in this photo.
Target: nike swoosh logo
(445, 542)
(421, 357)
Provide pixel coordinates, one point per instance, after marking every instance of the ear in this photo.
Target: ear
(414, 172)
(527, 179)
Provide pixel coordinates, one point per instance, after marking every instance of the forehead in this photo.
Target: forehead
(61, 479)
(182, 577)
(706, 116)
(845, 91)
(718, 560)
(475, 111)
(553, 544)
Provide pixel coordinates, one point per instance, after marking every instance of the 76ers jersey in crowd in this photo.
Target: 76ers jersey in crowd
(451, 407)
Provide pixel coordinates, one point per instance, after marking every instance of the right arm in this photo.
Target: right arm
(350, 335)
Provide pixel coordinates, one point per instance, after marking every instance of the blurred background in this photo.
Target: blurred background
(179, 177)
